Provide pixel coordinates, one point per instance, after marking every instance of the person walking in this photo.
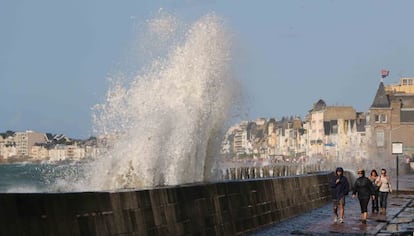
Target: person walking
(374, 202)
(364, 188)
(384, 183)
(340, 188)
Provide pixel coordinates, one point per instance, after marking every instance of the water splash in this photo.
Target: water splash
(166, 121)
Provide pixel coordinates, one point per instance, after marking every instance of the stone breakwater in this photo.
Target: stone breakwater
(222, 208)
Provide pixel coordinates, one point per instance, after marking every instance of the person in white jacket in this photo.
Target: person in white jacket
(384, 183)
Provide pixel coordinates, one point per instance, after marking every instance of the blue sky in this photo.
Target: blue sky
(55, 56)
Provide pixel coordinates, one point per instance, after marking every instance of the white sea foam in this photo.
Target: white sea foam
(23, 189)
(167, 119)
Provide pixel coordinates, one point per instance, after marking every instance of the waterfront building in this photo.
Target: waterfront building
(289, 137)
(74, 152)
(26, 140)
(257, 137)
(7, 148)
(335, 133)
(58, 153)
(1, 147)
(240, 139)
(39, 153)
(338, 133)
(272, 137)
(93, 151)
(391, 121)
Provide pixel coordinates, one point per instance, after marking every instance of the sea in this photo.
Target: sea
(37, 177)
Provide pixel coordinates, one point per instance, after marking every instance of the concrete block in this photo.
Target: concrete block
(221, 188)
(29, 205)
(128, 200)
(86, 226)
(171, 196)
(148, 218)
(224, 203)
(143, 199)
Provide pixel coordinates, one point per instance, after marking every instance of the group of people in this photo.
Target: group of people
(374, 188)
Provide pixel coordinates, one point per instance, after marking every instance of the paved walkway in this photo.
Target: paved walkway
(399, 219)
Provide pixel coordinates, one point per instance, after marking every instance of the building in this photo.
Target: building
(272, 137)
(39, 153)
(7, 147)
(26, 140)
(339, 133)
(240, 139)
(335, 132)
(391, 121)
(58, 153)
(289, 137)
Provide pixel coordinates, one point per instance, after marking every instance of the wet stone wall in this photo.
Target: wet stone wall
(222, 208)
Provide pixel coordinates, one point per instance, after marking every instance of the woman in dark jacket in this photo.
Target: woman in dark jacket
(373, 177)
(363, 186)
(340, 187)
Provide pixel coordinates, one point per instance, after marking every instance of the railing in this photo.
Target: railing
(254, 172)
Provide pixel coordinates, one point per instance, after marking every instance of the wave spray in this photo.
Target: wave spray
(164, 124)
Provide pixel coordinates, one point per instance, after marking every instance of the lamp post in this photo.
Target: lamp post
(397, 149)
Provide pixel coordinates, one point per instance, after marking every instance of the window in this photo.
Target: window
(380, 118)
(380, 138)
(383, 118)
(335, 129)
(407, 82)
(407, 115)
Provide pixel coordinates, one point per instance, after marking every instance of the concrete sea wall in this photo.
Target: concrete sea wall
(222, 208)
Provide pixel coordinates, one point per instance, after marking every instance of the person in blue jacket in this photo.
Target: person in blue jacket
(340, 188)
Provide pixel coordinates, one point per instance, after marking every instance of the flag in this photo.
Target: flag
(384, 73)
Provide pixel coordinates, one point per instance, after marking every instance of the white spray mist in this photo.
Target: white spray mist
(166, 121)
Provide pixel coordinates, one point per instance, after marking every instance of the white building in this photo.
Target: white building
(26, 140)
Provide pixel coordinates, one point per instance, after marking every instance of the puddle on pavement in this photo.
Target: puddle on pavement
(406, 215)
(400, 220)
(399, 227)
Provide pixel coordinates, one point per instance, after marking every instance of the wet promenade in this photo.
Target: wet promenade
(399, 219)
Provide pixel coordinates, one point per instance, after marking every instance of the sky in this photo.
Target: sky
(56, 56)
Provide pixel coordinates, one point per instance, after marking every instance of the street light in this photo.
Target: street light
(397, 149)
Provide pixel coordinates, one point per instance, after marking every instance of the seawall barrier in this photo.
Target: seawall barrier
(221, 208)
